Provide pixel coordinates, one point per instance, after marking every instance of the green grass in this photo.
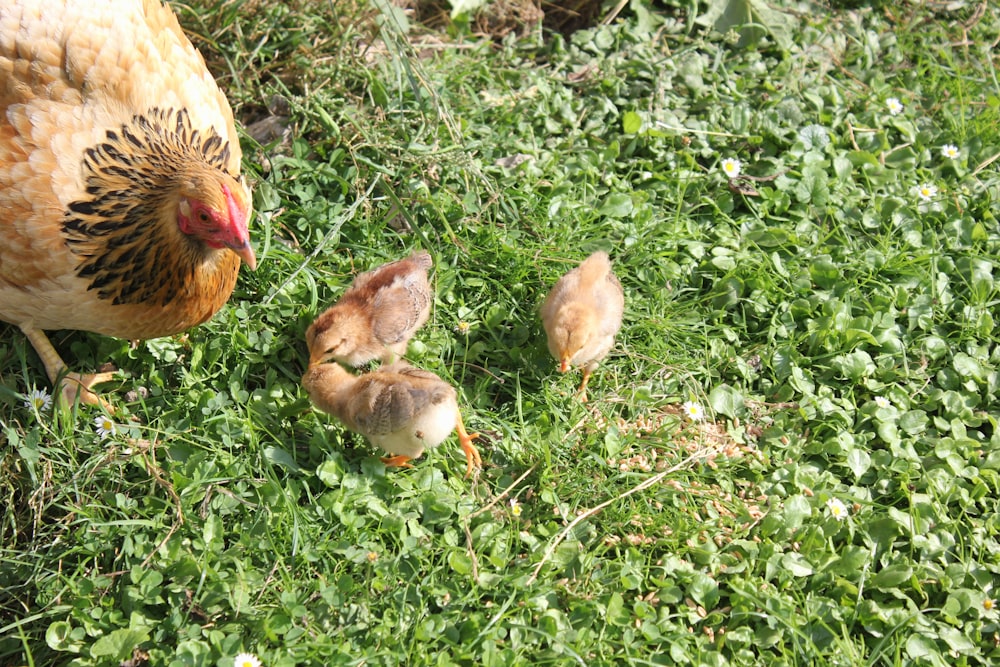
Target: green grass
(226, 515)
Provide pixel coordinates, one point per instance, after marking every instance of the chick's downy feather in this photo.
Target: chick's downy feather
(121, 201)
(376, 316)
(399, 408)
(581, 315)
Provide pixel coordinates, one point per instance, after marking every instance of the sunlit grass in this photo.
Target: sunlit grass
(790, 457)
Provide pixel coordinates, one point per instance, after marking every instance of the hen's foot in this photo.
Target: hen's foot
(70, 386)
(76, 385)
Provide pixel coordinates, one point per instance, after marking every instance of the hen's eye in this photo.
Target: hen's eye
(203, 216)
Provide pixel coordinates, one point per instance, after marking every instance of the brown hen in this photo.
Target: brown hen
(122, 207)
(401, 409)
(376, 316)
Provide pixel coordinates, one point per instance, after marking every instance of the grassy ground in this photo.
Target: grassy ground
(831, 310)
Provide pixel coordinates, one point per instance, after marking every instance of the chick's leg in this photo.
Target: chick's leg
(70, 385)
(399, 461)
(583, 386)
(472, 458)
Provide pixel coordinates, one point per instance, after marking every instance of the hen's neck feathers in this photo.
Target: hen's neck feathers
(124, 232)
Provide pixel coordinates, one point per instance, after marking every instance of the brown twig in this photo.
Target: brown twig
(985, 163)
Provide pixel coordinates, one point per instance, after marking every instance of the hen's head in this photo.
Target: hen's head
(213, 208)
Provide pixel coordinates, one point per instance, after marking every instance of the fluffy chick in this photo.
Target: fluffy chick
(581, 315)
(401, 409)
(376, 316)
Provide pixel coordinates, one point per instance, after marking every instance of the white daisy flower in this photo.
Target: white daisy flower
(837, 509)
(927, 191)
(105, 427)
(990, 607)
(882, 402)
(731, 167)
(694, 411)
(38, 399)
(950, 151)
(515, 507)
(246, 660)
(894, 105)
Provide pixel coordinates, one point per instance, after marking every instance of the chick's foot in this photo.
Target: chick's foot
(472, 458)
(399, 461)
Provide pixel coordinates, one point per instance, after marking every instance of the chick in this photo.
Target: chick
(582, 314)
(401, 409)
(376, 316)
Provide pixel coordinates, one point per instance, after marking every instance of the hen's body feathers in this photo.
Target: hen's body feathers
(121, 201)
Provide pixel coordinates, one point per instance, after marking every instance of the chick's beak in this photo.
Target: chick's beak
(563, 364)
(315, 359)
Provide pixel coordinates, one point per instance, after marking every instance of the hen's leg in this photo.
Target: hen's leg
(70, 385)
(472, 458)
(399, 461)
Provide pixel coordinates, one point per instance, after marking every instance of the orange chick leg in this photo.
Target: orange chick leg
(583, 386)
(399, 461)
(472, 458)
(70, 385)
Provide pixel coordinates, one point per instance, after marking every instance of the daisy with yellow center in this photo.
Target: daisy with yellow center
(731, 167)
(950, 151)
(38, 399)
(882, 402)
(105, 427)
(894, 105)
(246, 660)
(694, 411)
(837, 509)
(927, 191)
(515, 507)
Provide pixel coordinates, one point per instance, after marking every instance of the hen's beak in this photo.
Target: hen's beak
(245, 252)
(239, 236)
(564, 364)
